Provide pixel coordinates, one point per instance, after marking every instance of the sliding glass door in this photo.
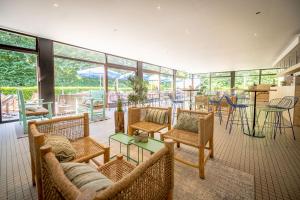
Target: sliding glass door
(18, 71)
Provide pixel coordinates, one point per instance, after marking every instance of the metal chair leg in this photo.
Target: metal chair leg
(262, 130)
(229, 114)
(292, 126)
(232, 118)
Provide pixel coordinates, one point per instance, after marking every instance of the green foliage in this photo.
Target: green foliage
(17, 69)
(18, 40)
(27, 91)
(119, 105)
(202, 90)
(140, 90)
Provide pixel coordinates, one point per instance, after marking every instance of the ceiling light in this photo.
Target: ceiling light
(158, 7)
(255, 34)
(55, 5)
(257, 13)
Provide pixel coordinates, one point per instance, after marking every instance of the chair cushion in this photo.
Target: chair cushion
(157, 116)
(187, 122)
(85, 177)
(61, 147)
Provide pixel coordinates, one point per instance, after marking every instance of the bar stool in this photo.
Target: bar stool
(232, 112)
(216, 101)
(277, 107)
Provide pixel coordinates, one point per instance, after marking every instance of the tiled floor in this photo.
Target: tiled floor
(275, 164)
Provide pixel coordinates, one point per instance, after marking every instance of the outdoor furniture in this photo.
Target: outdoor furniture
(215, 102)
(33, 110)
(190, 91)
(152, 179)
(242, 112)
(255, 91)
(136, 120)
(198, 140)
(76, 129)
(152, 145)
(94, 104)
(201, 102)
(274, 113)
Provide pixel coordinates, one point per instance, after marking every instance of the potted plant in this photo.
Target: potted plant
(119, 117)
(140, 91)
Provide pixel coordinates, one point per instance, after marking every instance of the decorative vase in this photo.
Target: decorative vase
(119, 122)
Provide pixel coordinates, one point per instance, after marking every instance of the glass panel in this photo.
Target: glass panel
(75, 82)
(269, 79)
(166, 82)
(118, 84)
(151, 67)
(153, 87)
(243, 82)
(79, 53)
(217, 74)
(17, 40)
(121, 61)
(247, 73)
(269, 71)
(165, 70)
(220, 83)
(17, 70)
(181, 74)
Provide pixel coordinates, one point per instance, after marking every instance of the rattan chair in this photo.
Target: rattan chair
(198, 140)
(136, 121)
(152, 179)
(76, 129)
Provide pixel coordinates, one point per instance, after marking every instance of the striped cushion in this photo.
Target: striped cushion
(157, 116)
(85, 177)
(187, 122)
(61, 147)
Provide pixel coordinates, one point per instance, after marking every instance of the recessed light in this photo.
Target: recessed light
(255, 34)
(55, 5)
(115, 30)
(158, 7)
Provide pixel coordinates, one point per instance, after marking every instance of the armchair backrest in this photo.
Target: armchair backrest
(72, 127)
(136, 114)
(205, 124)
(139, 184)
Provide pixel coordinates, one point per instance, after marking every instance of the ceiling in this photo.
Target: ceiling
(191, 35)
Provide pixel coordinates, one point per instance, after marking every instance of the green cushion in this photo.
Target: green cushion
(85, 177)
(157, 116)
(61, 147)
(187, 122)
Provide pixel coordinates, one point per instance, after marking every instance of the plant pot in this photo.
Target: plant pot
(119, 122)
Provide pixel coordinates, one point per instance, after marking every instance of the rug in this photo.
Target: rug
(221, 181)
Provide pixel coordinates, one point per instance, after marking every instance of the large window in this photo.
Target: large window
(118, 85)
(18, 70)
(244, 79)
(69, 51)
(202, 81)
(17, 40)
(121, 61)
(79, 77)
(220, 81)
(269, 76)
(75, 81)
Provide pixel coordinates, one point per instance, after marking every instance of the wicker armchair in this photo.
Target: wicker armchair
(136, 121)
(76, 129)
(152, 179)
(198, 140)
